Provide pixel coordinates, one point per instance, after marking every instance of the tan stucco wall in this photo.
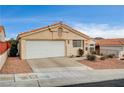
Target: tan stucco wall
(67, 35)
(72, 50)
(22, 48)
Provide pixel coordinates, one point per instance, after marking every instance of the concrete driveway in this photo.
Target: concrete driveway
(56, 64)
(60, 72)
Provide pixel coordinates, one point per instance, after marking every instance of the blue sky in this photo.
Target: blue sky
(103, 21)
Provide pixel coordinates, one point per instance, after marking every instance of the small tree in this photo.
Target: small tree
(13, 50)
(81, 52)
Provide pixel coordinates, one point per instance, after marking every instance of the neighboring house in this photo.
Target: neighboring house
(91, 46)
(110, 46)
(4, 46)
(52, 41)
(2, 33)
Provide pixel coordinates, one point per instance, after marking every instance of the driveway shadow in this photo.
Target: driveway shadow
(110, 83)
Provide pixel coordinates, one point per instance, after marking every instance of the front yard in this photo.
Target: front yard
(14, 65)
(110, 63)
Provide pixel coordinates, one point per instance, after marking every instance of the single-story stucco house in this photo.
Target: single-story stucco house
(110, 46)
(2, 33)
(54, 40)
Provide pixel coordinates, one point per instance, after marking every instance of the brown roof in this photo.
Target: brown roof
(2, 29)
(47, 27)
(108, 42)
(37, 29)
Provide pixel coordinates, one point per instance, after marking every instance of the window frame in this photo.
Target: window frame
(91, 45)
(76, 43)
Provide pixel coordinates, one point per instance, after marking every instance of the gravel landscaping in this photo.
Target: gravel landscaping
(110, 63)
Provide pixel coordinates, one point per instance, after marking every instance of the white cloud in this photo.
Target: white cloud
(11, 35)
(100, 30)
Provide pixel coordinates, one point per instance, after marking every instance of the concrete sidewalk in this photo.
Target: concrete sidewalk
(59, 78)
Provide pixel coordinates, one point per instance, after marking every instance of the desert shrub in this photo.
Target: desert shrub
(81, 52)
(93, 52)
(101, 54)
(110, 56)
(102, 58)
(91, 57)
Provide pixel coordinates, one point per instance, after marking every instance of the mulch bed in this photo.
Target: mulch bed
(14, 65)
(110, 63)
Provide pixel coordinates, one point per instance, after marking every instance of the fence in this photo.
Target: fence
(4, 47)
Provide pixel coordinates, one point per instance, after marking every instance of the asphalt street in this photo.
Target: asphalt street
(110, 83)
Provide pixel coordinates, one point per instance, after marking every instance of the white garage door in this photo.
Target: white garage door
(44, 49)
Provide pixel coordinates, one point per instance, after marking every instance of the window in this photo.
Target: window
(60, 32)
(91, 49)
(76, 43)
(91, 44)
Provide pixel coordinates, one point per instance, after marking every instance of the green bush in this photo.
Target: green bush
(81, 52)
(91, 57)
(13, 50)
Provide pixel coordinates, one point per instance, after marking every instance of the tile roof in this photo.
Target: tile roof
(108, 42)
(39, 29)
(47, 27)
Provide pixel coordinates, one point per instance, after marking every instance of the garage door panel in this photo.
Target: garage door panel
(43, 49)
